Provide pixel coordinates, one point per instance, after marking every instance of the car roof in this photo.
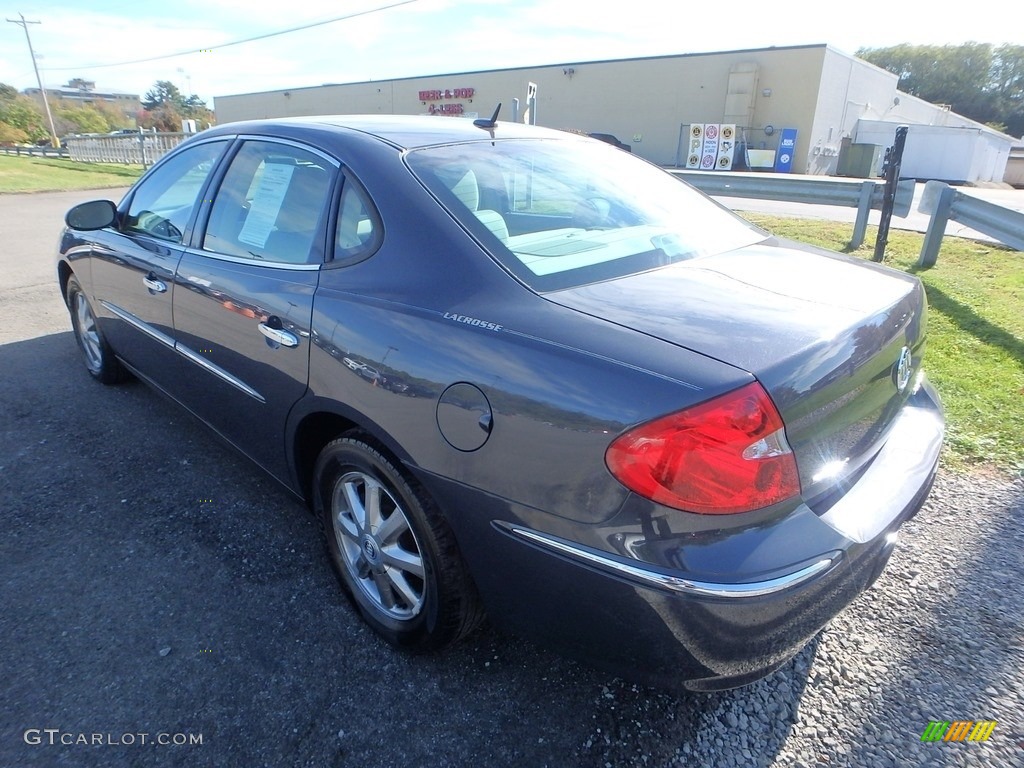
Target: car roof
(402, 131)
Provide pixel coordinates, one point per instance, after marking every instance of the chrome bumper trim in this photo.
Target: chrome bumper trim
(216, 370)
(184, 351)
(139, 325)
(673, 583)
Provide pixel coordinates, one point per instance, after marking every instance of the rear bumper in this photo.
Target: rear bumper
(894, 481)
(704, 609)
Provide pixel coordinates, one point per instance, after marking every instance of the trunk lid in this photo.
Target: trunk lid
(824, 334)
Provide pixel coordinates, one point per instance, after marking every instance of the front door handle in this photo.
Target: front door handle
(154, 285)
(278, 335)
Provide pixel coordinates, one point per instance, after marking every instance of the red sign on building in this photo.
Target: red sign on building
(448, 93)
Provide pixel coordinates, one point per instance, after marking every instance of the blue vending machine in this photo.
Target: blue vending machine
(787, 146)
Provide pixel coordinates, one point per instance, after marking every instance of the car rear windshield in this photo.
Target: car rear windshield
(563, 213)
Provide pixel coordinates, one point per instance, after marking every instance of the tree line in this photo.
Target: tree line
(23, 121)
(978, 80)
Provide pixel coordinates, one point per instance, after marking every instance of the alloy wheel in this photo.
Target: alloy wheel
(87, 332)
(378, 546)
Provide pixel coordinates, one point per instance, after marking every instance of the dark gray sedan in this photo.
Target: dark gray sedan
(519, 371)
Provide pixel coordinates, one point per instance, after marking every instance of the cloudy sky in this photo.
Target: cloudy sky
(426, 37)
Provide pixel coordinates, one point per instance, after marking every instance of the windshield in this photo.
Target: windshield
(564, 213)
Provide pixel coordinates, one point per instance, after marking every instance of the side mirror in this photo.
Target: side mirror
(96, 214)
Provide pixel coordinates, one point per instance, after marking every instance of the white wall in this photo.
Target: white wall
(990, 157)
(931, 152)
(643, 102)
(1015, 168)
(850, 89)
(860, 100)
(823, 93)
(954, 153)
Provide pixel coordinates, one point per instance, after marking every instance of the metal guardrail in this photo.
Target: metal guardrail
(130, 148)
(35, 151)
(940, 201)
(944, 203)
(864, 195)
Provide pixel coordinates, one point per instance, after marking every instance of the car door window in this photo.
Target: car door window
(359, 230)
(271, 204)
(163, 203)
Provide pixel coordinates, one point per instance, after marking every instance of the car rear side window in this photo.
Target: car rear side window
(359, 231)
(163, 203)
(271, 205)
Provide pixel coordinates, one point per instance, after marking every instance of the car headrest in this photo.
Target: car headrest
(467, 191)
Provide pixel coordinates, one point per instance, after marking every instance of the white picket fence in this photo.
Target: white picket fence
(130, 148)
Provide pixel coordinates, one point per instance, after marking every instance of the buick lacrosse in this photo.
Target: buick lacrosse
(520, 373)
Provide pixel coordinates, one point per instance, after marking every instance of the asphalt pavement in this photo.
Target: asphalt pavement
(166, 603)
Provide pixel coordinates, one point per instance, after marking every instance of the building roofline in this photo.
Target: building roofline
(821, 46)
(80, 92)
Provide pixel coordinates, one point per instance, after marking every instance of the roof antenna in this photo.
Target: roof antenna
(490, 125)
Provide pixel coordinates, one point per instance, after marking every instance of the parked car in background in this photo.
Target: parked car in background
(607, 138)
(514, 370)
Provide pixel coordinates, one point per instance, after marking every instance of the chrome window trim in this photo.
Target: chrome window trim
(674, 583)
(252, 262)
(290, 142)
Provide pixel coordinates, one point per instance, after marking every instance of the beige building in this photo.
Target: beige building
(78, 92)
(829, 97)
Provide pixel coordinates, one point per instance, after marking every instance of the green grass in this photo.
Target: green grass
(39, 174)
(975, 353)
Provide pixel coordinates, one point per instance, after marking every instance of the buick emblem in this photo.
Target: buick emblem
(902, 371)
(370, 551)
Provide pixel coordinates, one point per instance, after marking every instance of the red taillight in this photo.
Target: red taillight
(724, 456)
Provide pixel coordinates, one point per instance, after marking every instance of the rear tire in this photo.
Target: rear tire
(391, 548)
(99, 358)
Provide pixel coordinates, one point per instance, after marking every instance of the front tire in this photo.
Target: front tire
(391, 548)
(99, 358)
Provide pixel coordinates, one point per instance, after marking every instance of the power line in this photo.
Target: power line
(233, 42)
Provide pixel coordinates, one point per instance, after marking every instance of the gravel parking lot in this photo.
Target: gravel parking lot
(155, 582)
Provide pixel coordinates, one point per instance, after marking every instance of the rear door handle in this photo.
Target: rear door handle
(279, 335)
(154, 285)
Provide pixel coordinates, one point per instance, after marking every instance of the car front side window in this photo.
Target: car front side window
(163, 203)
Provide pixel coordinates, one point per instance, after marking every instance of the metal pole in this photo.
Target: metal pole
(860, 226)
(936, 226)
(893, 160)
(46, 104)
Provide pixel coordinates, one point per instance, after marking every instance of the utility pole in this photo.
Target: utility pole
(46, 104)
